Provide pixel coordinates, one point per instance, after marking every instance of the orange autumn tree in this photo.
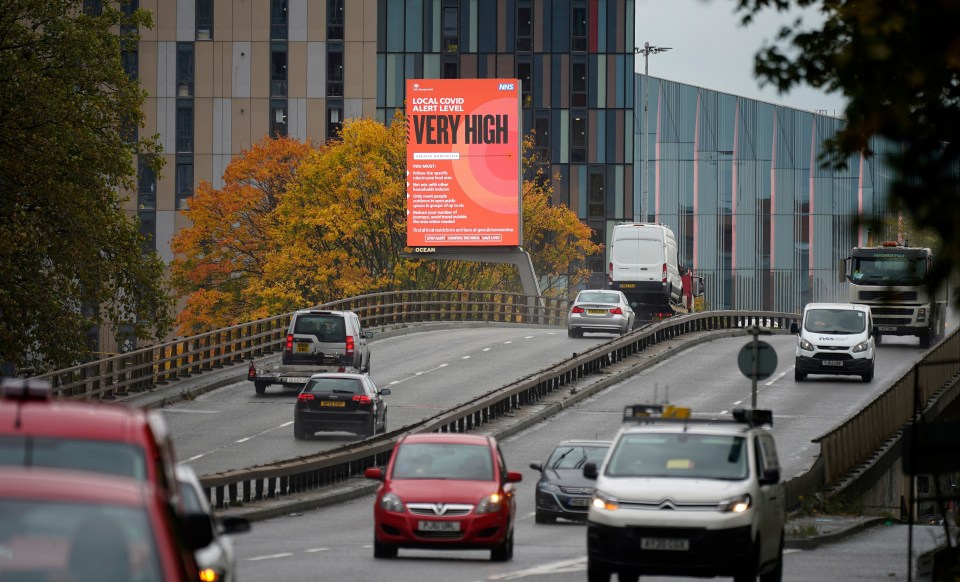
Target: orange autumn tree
(231, 236)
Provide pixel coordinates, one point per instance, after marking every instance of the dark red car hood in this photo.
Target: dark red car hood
(442, 490)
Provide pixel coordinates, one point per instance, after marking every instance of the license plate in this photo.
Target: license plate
(303, 348)
(333, 403)
(580, 502)
(294, 380)
(596, 311)
(671, 544)
(834, 363)
(628, 285)
(886, 328)
(439, 526)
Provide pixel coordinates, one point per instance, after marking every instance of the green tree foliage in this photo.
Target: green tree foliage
(898, 64)
(70, 257)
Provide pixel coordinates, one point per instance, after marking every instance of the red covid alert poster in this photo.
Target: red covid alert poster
(463, 162)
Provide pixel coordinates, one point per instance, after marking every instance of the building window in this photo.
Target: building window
(92, 7)
(184, 181)
(578, 28)
(335, 71)
(451, 68)
(131, 62)
(578, 136)
(278, 69)
(278, 117)
(450, 41)
(596, 200)
(524, 26)
(184, 125)
(185, 67)
(148, 230)
(525, 75)
(146, 186)
(204, 19)
(334, 121)
(578, 82)
(541, 137)
(334, 19)
(279, 19)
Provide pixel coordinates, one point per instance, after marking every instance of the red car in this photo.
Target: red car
(86, 527)
(38, 430)
(445, 491)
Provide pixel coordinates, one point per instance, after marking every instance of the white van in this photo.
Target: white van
(644, 264)
(835, 338)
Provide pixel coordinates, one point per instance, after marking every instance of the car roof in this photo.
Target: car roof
(321, 312)
(583, 443)
(703, 427)
(351, 375)
(447, 438)
(75, 419)
(848, 306)
(41, 483)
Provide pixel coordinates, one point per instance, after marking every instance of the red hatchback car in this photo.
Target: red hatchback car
(445, 491)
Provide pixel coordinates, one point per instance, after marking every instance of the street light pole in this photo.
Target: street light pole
(646, 51)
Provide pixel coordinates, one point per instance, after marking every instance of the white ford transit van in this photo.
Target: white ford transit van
(644, 264)
(835, 338)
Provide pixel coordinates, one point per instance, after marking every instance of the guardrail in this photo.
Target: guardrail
(149, 367)
(336, 466)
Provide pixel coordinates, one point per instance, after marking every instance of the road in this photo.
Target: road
(335, 543)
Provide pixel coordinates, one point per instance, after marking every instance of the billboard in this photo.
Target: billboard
(463, 162)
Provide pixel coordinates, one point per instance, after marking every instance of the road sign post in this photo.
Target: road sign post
(757, 360)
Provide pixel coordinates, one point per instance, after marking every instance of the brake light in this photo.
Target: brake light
(616, 311)
(663, 277)
(305, 396)
(349, 345)
(251, 371)
(362, 399)
(289, 346)
(576, 309)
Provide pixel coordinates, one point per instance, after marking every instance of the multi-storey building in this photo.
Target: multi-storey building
(736, 178)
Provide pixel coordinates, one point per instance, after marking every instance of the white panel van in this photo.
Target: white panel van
(835, 338)
(644, 264)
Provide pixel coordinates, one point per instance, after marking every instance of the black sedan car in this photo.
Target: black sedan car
(340, 401)
(562, 490)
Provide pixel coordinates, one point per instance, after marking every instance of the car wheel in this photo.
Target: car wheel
(924, 339)
(544, 518)
(749, 571)
(776, 574)
(869, 375)
(298, 431)
(797, 374)
(503, 552)
(382, 550)
(627, 576)
(383, 427)
(570, 333)
(596, 572)
(366, 368)
(260, 387)
(371, 428)
(877, 339)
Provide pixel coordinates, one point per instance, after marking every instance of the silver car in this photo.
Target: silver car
(600, 310)
(216, 561)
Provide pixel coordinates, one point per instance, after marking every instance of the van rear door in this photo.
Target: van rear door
(637, 255)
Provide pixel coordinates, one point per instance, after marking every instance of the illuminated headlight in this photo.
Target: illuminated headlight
(210, 575)
(548, 487)
(391, 502)
(603, 501)
(490, 504)
(922, 313)
(737, 504)
(806, 346)
(861, 347)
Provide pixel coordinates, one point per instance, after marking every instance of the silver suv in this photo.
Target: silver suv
(317, 337)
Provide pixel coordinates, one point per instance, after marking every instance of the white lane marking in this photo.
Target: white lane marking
(778, 377)
(194, 458)
(269, 557)
(791, 550)
(314, 550)
(394, 382)
(508, 342)
(186, 411)
(528, 337)
(738, 403)
(486, 349)
(285, 424)
(465, 358)
(574, 565)
(243, 440)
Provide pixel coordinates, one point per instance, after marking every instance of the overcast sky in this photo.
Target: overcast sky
(709, 48)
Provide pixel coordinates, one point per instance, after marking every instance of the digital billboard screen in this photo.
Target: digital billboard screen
(463, 162)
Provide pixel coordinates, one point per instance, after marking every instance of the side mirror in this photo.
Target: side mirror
(233, 524)
(590, 470)
(794, 328)
(384, 392)
(536, 467)
(770, 477)
(842, 270)
(197, 530)
(514, 477)
(373, 473)
(368, 334)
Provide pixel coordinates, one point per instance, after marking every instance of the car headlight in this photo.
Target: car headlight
(490, 504)
(548, 487)
(922, 313)
(806, 346)
(210, 575)
(737, 504)
(603, 501)
(861, 347)
(391, 502)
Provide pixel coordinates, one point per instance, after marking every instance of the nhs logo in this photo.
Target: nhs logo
(505, 87)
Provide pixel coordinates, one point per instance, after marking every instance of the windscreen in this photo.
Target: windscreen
(325, 327)
(836, 321)
(85, 455)
(892, 269)
(334, 386)
(443, 461)
(681, 455)
(574, 456)
(598, 297)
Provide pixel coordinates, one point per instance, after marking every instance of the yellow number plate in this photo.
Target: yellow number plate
(333, 403)
(628, 285)
(301, 348)
(596, 311)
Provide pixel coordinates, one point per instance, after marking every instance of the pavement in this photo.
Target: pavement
(802, 531)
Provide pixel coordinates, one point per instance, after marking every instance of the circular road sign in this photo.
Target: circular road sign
(766, 360)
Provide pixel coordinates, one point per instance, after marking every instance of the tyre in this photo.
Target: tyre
(924, 337)
(298, 431)
(749, 571)
(597, 572)
(776, 574)
(503, 552)
(371, 428)
(869, 375)
(382, 550)
(260, 387)
(366, 368)
(798, 375)
(544, 518)
(383, 428)
(570, 333)
(877, 339)
(627, 576)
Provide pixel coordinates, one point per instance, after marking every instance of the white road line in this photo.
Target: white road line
(778, 377)
(508, 342)
(314, 550)
(486, 349)
(194, 458)
(269, 557)
(243, 440)
(186, 411)
(465, 358)
(574, 565)
(528, 337)
(285, 424)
